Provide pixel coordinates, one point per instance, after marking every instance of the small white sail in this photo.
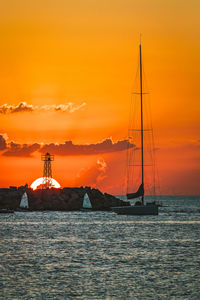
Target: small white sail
(86, 201)
(24, 201)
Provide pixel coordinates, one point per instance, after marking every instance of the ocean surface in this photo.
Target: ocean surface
(102, 255)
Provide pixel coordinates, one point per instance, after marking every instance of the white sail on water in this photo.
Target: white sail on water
(24, 201)
(86, 201)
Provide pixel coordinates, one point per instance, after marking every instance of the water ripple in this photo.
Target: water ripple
(62, 255)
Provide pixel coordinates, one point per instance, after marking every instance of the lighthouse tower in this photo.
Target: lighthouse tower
(47, 171)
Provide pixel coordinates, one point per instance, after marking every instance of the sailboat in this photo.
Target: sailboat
(140, 208)
(86, 203)
(24, 202)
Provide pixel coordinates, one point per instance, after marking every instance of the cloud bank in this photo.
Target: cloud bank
(3, 144)
(93, 175)
(24, 107)
(24, 150)
(66, 149)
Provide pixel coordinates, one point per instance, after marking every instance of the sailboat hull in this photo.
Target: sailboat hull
(138, 210)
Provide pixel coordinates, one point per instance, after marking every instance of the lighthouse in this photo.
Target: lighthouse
(47, 171)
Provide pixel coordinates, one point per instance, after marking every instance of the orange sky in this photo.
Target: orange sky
(86, 53)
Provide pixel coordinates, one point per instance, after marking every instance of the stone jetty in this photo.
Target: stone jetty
(65, 199)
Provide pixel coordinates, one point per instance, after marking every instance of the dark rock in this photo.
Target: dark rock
(14, 188)
(66, 199)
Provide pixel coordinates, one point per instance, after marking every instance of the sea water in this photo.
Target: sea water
(102, 255)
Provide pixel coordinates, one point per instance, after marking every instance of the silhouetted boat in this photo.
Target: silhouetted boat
(24, 205)
(140, 208)
(87, 206)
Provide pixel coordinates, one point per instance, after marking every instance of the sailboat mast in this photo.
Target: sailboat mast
(142, 138)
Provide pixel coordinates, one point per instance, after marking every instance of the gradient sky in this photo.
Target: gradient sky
(73, 63)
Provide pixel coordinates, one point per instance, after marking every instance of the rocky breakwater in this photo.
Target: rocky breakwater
(66, 199)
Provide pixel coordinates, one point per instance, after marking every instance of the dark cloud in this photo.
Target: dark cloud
(3, 144)
(21, 150)
(68, 148)
(24, 107)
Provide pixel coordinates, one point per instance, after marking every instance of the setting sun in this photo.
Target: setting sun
(39, 181)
